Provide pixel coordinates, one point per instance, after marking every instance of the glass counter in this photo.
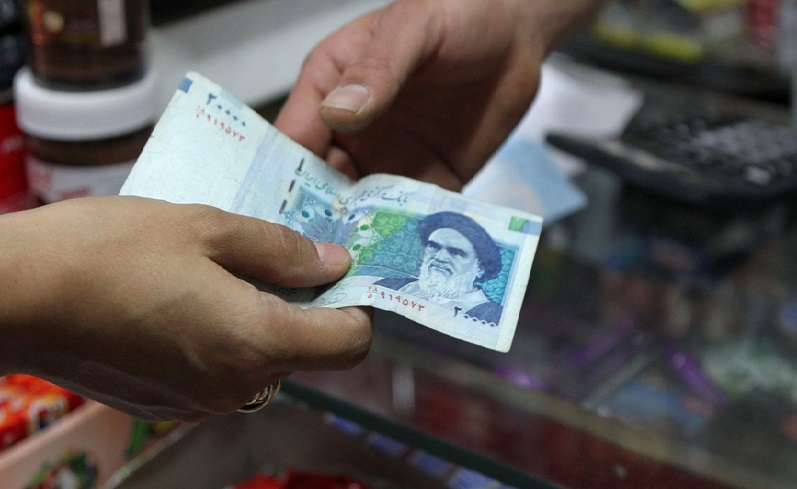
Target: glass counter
(656, 348)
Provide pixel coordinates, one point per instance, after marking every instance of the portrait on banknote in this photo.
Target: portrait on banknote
(458, 256)
(443, 262)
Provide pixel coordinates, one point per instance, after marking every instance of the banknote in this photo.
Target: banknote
(443, 260)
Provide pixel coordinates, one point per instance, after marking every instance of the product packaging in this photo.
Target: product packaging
(82, 143)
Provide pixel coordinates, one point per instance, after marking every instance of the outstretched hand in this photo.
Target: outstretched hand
(424, 88)
(136, 303)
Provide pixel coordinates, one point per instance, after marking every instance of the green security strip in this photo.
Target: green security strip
(412, 437)
(517, 224)
(525, 226)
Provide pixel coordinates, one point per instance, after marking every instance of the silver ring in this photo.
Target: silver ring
(261, 399)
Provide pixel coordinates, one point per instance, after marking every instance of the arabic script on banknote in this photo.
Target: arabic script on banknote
(443, 260)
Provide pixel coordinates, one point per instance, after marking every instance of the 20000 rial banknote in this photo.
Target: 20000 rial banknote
(448, 262)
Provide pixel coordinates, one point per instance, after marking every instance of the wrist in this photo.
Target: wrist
(27, 289)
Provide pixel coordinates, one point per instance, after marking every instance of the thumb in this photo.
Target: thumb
(275, 254)
(402, 37)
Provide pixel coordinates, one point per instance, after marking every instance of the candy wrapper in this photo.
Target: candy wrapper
(29, 404)
(294, 479)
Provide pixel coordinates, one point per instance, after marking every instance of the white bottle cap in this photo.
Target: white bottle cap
(83, 115)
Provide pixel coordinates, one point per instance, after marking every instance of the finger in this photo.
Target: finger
(403, 38)
(316, 338)
(272, 252)
(298, 118)
(342, 161)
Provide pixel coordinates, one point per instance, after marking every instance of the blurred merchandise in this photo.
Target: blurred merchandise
(787, 38)
(538, 185)
(762, 30)
(449, 475)
(82, 450)
(96, 44)
(14, 194)
(290, 445)
(729, 46)
(745, 366)
(82, 143)
(687, 30)
(295, 479)
(756, 430)
(74, 470)
(571, 98)
(29, 405)
(13, 42)
(657, 399)
(12, 58)
(742, 32)
(10, 15)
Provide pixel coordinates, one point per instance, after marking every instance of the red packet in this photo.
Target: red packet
(259, 481)
(29, 404)
(301, 480)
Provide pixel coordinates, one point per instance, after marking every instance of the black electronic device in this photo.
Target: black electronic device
(697, 155)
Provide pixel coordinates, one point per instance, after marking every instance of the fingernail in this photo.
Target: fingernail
(332, 254)
(350, 97)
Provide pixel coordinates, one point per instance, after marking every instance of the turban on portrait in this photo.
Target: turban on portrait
(483, 244)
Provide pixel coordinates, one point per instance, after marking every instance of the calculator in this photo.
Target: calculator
(699, 155)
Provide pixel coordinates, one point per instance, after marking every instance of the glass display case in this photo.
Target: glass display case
(654, 349)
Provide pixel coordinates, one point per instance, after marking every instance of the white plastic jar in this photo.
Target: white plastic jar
(83, 143)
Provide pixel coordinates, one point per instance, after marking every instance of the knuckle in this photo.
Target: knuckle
(316, 55)
(378, 71)
(294, 246)
(208, 221)
(293, 250)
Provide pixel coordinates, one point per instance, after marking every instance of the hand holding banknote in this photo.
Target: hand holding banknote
(441, 259)
(133, 302)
